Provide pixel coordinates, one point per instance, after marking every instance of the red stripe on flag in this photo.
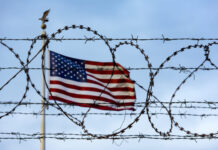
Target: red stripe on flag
(99, 63)
(107, 72)
(112, 80)
(91, 97)
(104, 64)
(117, 89)
(88, 105)
(70, 86)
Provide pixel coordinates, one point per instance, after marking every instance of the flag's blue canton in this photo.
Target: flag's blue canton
(66, 67)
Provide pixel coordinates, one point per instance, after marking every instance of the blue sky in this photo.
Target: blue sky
(117, 19)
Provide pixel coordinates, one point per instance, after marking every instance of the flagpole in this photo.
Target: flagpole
(42, 140)
(43, 35)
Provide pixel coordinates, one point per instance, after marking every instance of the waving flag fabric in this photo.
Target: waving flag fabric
(99, 85)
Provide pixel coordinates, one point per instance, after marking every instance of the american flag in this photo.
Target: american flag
(100, 85)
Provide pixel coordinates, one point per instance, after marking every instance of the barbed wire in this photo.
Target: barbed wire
(181, 102)
(182, 115)
(206, 49)
(145, 107)
(180, 68)
(163, 38)
(153, 104)
(76, 136)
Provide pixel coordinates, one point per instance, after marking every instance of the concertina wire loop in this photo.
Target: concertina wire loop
(113, 50)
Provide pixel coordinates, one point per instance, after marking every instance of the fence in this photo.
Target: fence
(145, 108)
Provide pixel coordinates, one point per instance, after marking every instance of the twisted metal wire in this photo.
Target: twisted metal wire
(75, 136)
(147, 104)
(182, 104)
(163, 38)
